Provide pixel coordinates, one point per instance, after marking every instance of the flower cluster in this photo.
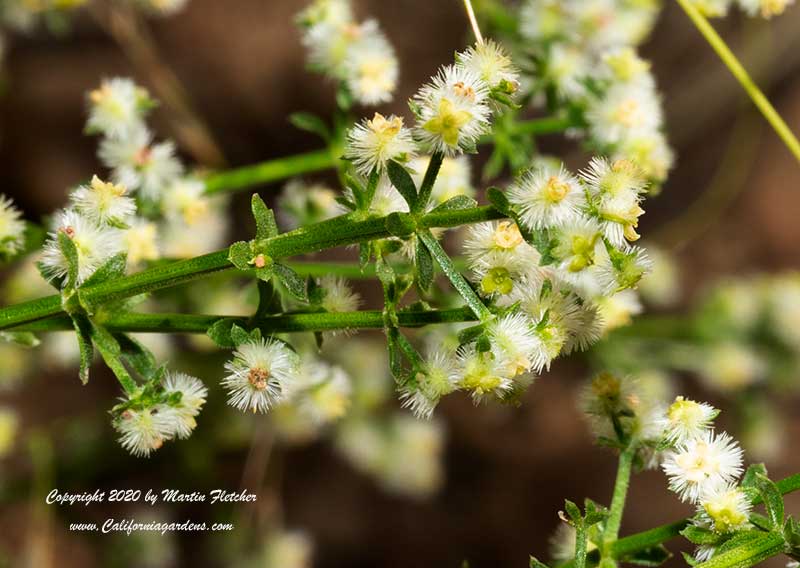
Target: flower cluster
(585, 58)
(12, 229)
(357, 54)
(159, 412)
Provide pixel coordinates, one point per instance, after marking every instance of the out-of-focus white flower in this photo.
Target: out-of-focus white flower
(455, 178)
(371, 144)
(338, 297)
(618, 310)
(713, 8)
(140, 165)
(730, 366)
(544, 20)
(387, 199)
(103, 202)
(143, 431)
(623, 109)
(163, 7)
(94, 243)
(568, 68)
(370, 69)
(547, 198)
(259, 374)
(286, 549)
(687, 419)
(184, 198)
(141, 242)
(766, 8)
(12, 228)
(452, 111)
(702, 463)
(413, 457)
(622, 65)
(725, 507)
(181, 240)
(118, 106)
(193, 395)
(303, 204)
(661, 287)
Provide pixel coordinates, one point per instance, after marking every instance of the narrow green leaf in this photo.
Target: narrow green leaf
(499, 201)
(455, 203)
(139, 357)
(239, 335)
(364, 255)
(402, 181)
(773, 500)
(654, 556)
(535, 563)
(424, 262)
(114, 267)
(83, 333)
(749, 479)
(310, 123)
(70, 252)
(294, 282)
(753, 550)
(266, 227)
(21, 338)
(699, 535)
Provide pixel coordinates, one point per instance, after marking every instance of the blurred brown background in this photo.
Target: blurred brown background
(508, 470)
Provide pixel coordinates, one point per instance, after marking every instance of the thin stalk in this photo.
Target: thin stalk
(455, 277)
(286, 323)
(741, 75)
(340, 231)
(619, 496)
(428, 181)
(473, 21)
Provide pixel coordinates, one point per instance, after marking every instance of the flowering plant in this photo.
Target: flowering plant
(544, 259)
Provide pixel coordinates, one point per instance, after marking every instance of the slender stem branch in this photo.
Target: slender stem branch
(285, 323)
(455, 277)
(269, 171)
(427, 182)
(738, 71)
(339, 231)
(473, 21)
(619, 496)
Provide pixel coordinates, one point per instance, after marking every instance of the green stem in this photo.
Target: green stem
(110, 351)
(738, 71)
(427, 182)
(455, 277)
(270, 171)
(285, 323)
(618, 498)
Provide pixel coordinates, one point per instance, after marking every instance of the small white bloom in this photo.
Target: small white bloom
(143, 431)
(370, 67)
(618, 310)
(713, 8)
(439, 377)
(95, 244)
(303, 204)
(193, 395)
(491, 63)
(455, 177)
(371, 144)
(623, 109)
(547, 198)
(765, 8)
(687, 419)
(482, 374)
(452, 111)
(725, 507)
(207, 234)
(568, 68)
(104, 202)
(387, 199)
(12, 228)
(338, 297)
(624, 65)
(514, 343)
(184, 198)
(545, 20)
(140, 165)
(701, 463)
(260, 374)
(116, 107)
(141, 242)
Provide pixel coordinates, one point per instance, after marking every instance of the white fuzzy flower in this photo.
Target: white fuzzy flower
(116, 107)
(163, 7)
(544, 20)
(622, 65)
(701, 463)
(193, 395)
(618, 310)
(12, 228)
(370, 68)
(260, 374)
(324, 393)
(94, 243)
(329, 31)
(303, 204)
(547, 198)
(766, 8)
(725, 507)
(371, 144)
(514, 343)
(439, 377)
(687, 419)
(181, 240)
(482, 374)
(387, 199)
(143, 431)
(141, 242)
(452, 111)
(623, 109)
(338, 296)
(649, 150)
(491, 63)
(103, 202)
(140, 165)
(455, 177)
(568, 68)
(184, 198)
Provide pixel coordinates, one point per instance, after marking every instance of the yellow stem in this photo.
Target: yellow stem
(473, 20)
(738, 71)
